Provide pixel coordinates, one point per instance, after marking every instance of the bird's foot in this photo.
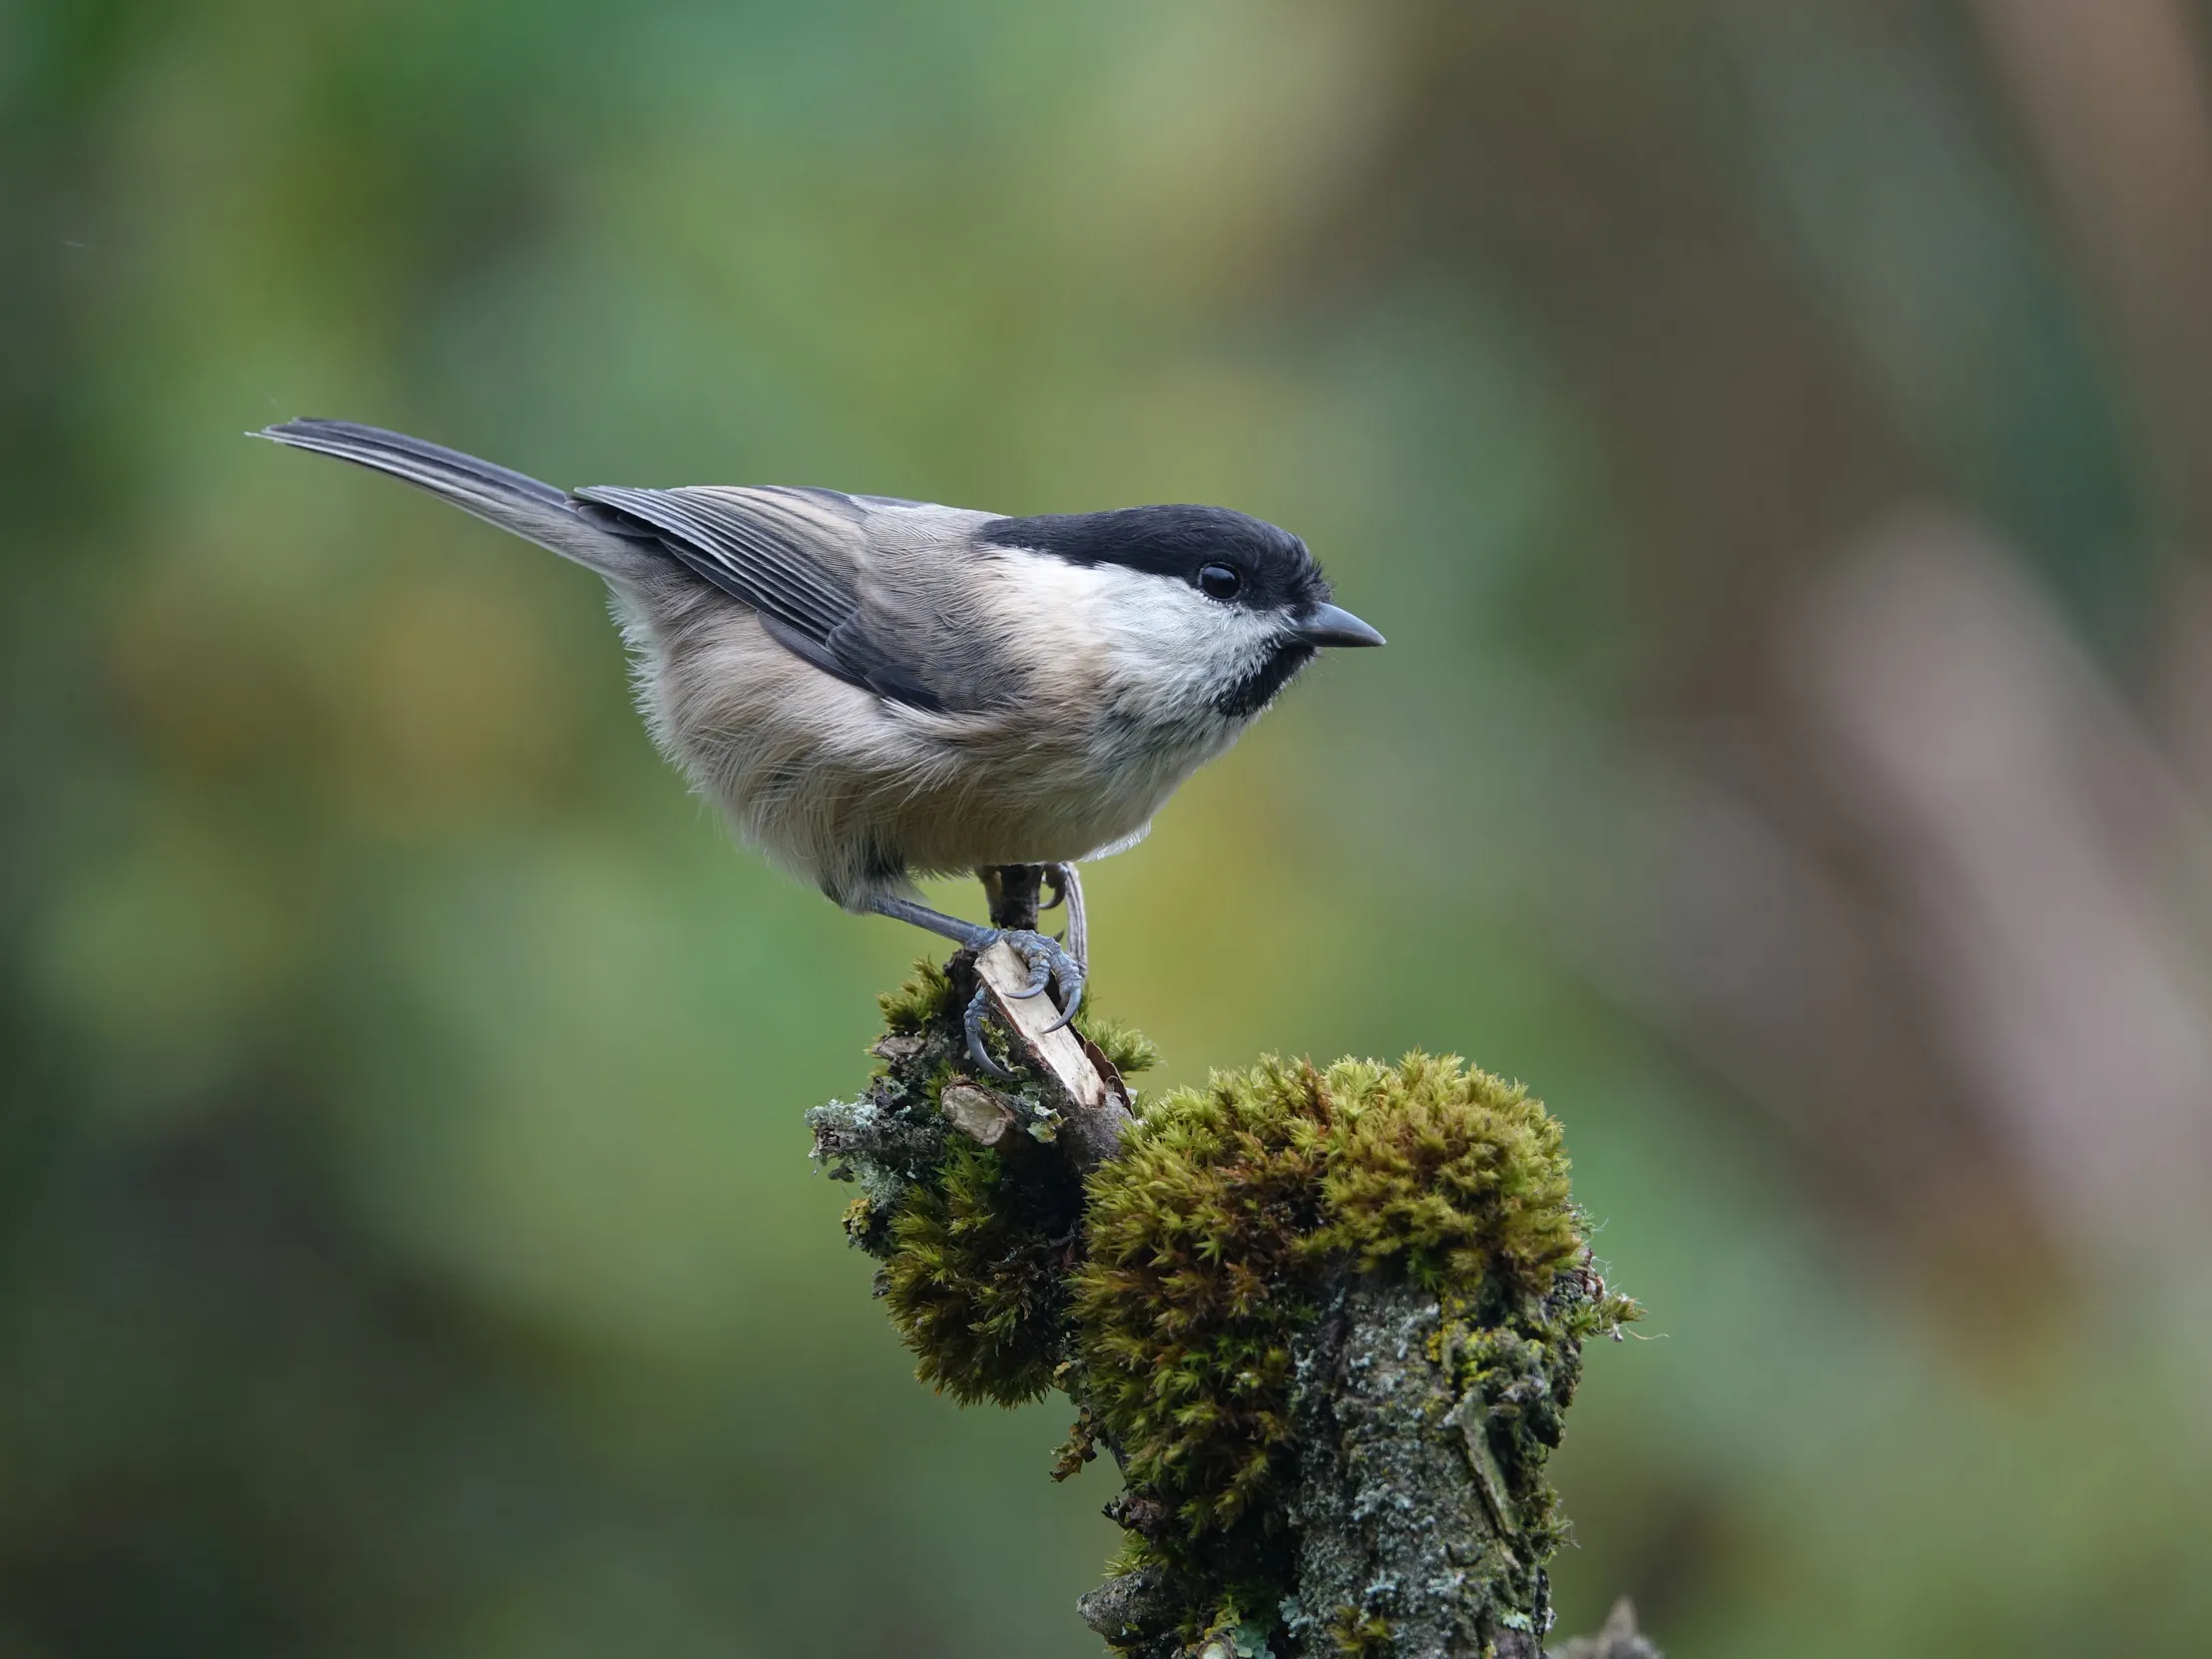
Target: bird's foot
(1048, 963)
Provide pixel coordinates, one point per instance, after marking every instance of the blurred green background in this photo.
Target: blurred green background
(1774, 438)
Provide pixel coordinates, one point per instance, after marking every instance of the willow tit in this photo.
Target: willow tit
(873, 689)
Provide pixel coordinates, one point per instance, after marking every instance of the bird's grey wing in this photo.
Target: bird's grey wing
(800, 559)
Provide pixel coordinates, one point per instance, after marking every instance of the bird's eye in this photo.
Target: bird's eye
(1218, 581)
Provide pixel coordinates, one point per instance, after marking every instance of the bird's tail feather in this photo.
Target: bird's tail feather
(536, 511)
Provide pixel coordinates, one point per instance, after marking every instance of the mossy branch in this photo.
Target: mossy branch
(1325, 1322)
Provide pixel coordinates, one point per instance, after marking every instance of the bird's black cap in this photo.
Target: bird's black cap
(1276, 570)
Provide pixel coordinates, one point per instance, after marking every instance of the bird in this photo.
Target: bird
(873, 689)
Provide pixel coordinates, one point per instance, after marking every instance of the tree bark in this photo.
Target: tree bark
(1405, 1535)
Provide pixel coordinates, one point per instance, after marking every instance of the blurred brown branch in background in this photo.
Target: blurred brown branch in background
(1962, 959)
(1885, 847)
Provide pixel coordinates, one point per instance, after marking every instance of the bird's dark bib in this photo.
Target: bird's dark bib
(1257, 689)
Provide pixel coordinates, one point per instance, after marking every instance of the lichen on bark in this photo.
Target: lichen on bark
(1325, 1322)
(1404, 1547)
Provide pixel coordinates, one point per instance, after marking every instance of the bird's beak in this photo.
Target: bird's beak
(1333, 625)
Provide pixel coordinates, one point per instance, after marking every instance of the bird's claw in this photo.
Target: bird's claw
(980, 1006)
(1056, 884)
(1048, 963)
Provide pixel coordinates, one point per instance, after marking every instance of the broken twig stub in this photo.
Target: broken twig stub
(1097, 1103)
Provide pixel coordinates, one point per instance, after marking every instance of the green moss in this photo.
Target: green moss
(1456, 1173)
(1128, 1048)
(1197, 1281)
(974, 1256)
(975, 1281)
(925, 1000)
(1212, 1236)
(1359, 1636)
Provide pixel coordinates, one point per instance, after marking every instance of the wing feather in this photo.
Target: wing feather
(798, 558)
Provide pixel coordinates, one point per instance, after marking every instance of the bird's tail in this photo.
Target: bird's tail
(535, 511)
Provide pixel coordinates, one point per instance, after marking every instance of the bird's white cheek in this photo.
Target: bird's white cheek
(1174, 648)
(1151, 649)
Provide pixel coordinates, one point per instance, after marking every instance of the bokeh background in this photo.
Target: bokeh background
(1774, 436)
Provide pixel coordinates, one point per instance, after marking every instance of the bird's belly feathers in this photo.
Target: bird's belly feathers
(854, 793)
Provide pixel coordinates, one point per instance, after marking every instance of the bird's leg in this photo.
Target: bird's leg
(1012, 893)
(1067, 889)
(1047, 963)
